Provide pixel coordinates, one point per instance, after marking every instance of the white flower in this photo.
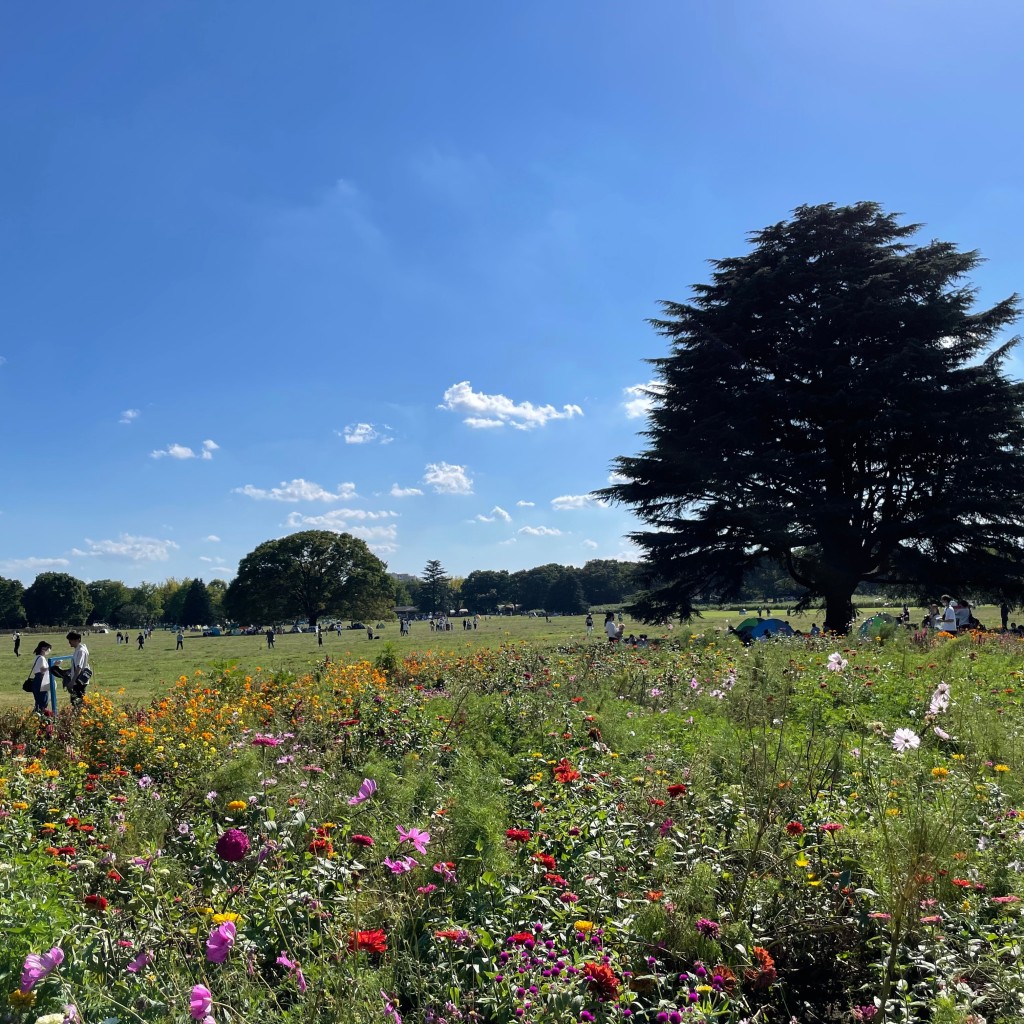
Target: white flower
(905, 739)
(941, 733)
(836, 662)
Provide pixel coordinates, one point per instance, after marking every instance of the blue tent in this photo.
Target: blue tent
(754, 629)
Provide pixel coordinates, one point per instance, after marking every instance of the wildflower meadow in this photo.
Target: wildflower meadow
(799, 830)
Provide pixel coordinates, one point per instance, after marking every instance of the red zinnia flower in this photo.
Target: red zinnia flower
(358, 840)
(522, 939)
(676, 789)
(321, 847)
(601, 979)
(98, 903)
(794, 828)
(763, 973)
(564, 771)
(518, 835)
(655, 894)
(546, 859)
(115, 876)
(374, 941)
(558, 880)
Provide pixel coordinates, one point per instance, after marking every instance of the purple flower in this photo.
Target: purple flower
(709, 929)
(219, 944)
(366, 790)
(140, 963)
(145, 782)
(418, 838)
(233, 845)
(295, 971)
(200, 1002)
(400, 866)
(39, 966)
(390, 1010)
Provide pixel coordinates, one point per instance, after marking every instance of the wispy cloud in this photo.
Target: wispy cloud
(589, 544)
(205, 558)
(641, 398)
(483, 411)
(574, 501)
(212, 538)
(540, 531)
(129, 416)
(447, 479)
(338, 519)
(498, 514)
(128, 548)
(365, 433)
(525, 504)
(181, 451)
(33, 564)
(618, 478)
(298, 490)
(404, 492)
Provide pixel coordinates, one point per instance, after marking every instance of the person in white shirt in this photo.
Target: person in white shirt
(611, 629)
(949, 614)
(76, 678)
(40, 677)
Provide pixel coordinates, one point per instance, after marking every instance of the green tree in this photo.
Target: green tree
(832, 400)
(309, 574)
(57, 599)
(530, 586)
(216, 588)
(608, 581)
(197, 609)
(148, 598)
(12, 607)
(484, 590)
(565, 594)
(107, 596)
(434, 588)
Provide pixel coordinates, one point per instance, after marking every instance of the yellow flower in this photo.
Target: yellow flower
(584, 926)
(1002, 767)
(802, 861)
(704, 989)
(224, 918)
(893, 812)
(940, 773)
(237, 805)
(52, 773)
(957, 757)
(20, 805)
(19, 998)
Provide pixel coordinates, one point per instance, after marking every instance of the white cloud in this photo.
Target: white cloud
(365, 433)
(540, 531)
(205, 558)
(447, 479)
(339, 519)
(641, 398)
(525, 504)
(298, 490)
(404, 492)
(484, 411)
(496, 513)
(174, 451)
(574, 501)
(128, 549)
(506, 543)
(213, 538)
(129, 416)
(209, 447)
(589, 544)
(223, 570)
(33, 564)
(618, 478)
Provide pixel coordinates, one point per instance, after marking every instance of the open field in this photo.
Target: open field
(492, 833)
(143, 674)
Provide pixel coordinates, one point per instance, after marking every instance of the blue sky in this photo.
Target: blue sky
(385, 267)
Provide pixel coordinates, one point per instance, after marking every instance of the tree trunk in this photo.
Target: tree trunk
(838, 609)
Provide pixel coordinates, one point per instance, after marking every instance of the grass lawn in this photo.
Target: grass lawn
(123, 672)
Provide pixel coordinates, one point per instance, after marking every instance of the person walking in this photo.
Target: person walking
(76, 678)
(17, 644)
(270, 638)
(180, 641)
(590, 624)
(141, 640)
(40, 677)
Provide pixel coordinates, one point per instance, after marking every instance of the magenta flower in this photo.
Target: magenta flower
(260, 740)
(39, 966)
(400, 866)
(418, 838)
(200, 1002)
(219, 944)
(295, 971)
(233, 845)
(366, 790)
(709, 929)
(140, 963)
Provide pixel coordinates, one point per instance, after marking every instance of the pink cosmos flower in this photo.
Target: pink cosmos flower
(140, 963)
(905, 739)
(39, 966)
(366, 790)
(400, 866)
(295, 971)
(418, 838)
(219, 944)
(836, 662)
(200, 1002)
